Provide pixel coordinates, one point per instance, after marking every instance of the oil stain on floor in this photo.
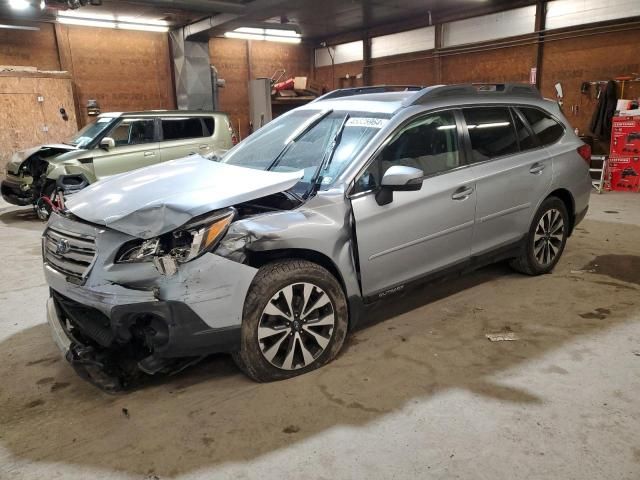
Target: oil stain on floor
(621, 267)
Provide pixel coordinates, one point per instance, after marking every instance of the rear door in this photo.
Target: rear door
(136, 147)
(419, 232)
(512, 173)
(184, 136)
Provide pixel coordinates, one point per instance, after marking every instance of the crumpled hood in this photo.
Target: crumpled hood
(21, 155)
(154, 200)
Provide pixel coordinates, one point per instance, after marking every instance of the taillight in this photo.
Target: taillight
(234, 137)
(585, 152)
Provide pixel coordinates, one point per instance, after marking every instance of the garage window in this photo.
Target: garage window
(491, 132)
(182, 128)
(546, 128)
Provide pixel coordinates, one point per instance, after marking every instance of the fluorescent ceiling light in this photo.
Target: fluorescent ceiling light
(268, 34)
(18, 27)
(108, 22)
(86, 23)
(142, 21)
(85, 16)
(282, 33)
(19, 4)
(140, 26)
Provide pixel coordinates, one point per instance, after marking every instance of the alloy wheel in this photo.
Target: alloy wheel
(548, 237)
(296, 326)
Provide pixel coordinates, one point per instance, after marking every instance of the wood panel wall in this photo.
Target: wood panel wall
(124, 70)
(29, 48)
(238, 60)
(26, 121)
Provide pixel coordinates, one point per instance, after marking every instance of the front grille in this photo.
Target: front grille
(69, 253)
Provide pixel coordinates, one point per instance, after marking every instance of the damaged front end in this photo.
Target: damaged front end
(141, 291)
(27, 181)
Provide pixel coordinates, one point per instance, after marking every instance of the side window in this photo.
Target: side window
(429, 143)
(182, 128)
(133, 131)
(525, 138)
(491, 132)
(209, 126)
(546, 128)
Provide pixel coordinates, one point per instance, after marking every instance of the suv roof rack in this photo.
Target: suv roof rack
(348, 92)
(473, 89)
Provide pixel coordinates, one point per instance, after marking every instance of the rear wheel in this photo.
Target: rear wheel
(546, 240)
(295, 320)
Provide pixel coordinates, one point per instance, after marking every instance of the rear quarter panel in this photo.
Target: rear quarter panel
(570, 171)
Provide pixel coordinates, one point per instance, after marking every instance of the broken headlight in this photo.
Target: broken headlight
(200, 236)
(183, 245)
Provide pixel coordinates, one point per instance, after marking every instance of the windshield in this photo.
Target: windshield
(275, 146)
(88, 133)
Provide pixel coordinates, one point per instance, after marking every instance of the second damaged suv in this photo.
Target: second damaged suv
(273, 252)
(114, 143)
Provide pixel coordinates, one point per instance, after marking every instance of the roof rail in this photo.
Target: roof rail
(348, 92)
(473, 89)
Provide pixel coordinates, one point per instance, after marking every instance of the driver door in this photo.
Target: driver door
(419, 232)
(136, 147)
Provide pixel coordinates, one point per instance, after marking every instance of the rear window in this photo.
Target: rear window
(491, 132)
(546, 128)
(182, 128)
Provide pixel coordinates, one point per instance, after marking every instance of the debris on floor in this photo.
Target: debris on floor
(506, 335)
(125, 412)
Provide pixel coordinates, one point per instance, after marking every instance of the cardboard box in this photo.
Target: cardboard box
(306, 86)
(625, 136)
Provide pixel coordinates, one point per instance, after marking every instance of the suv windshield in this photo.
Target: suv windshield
(88, 133)
(302, 139)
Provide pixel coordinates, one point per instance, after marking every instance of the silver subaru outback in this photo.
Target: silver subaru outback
(273, 252)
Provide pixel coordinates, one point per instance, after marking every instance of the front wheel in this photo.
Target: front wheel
(546, 239)
(295, 320)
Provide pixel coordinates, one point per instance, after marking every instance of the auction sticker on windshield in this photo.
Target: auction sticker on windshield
(367, 122)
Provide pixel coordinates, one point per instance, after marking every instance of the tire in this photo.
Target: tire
(316, 298)
(545, 244)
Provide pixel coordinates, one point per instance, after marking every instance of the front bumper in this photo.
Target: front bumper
(150, 338)
(129, 317)
(167, 329)
(13, 193)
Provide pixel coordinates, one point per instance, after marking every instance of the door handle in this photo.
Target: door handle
(462, 193)
(202, 147)
(149, 154)
(536, 168)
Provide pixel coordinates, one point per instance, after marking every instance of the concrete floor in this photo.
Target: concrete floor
(420, 393)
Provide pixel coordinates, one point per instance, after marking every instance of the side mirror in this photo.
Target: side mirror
(401, 179)
(107, 142)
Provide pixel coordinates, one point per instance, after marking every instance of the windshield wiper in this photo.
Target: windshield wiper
(297, 135)
(328, 157)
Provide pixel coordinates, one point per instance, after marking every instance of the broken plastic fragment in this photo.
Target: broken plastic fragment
(166, 265)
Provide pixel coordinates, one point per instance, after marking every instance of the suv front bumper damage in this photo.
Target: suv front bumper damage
(113, 331)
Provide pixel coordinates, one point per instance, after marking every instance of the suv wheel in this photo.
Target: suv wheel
(295, 320)
(546, 240)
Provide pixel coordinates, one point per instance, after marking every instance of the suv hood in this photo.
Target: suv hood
(154, 200)
(20, 156)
